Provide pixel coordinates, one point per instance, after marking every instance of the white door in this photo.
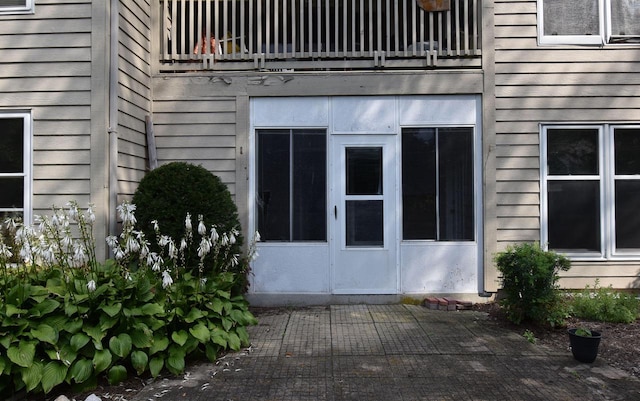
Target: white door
(363, 214)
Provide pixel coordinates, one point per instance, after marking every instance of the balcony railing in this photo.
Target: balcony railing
(317, 34)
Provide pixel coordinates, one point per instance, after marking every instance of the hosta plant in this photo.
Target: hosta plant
(66, 319)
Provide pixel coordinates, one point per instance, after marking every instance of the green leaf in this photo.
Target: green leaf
(32, 376)
(79, 340)
(219, 337)
(152, 309)
(102, 360)
(120, 345)
(216, 305)
(57, 321)
(3, 364)
(81, 370)
(175, 361)
(139, 360)
(70, 309)
(45, 333)
(159, 344)
(243, 335)
(23, 354)
(211, 351)
(68, 354)
(107, 322)
(179, 337)
(74, 326)
(201, 332)
(140, 339)
(227, 323)
(112, 310)
(12, 310)
(117, 374)
(45, 307)
(53, 374)
(94, 332)
(155, 366)
(234, 341)
(194, 314)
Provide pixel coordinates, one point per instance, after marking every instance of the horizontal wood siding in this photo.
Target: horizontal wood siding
(45, 68)
(134, 103)
(552, 84)
(198, 130)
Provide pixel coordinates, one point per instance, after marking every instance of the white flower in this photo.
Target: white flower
(92, 215)
(183, 244)
(118, 253)
(132, 246)
(79, 255)
(204, 248)
(112, 241)
(156, 227)
(234, 260)
(164, 240)
(202, 229)
(5, 251)
(73, 210)
(225, 239)
(187, 223)
(203, 280)
(157, 263)
(166, 279)
(214, 235)
(256, 237)
(91, 286)
(232, 238)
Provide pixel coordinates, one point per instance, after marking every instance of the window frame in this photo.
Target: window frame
(28, 8)
(603, 38)
(607, 179)
(27, 167)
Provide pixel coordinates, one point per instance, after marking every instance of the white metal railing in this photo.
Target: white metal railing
(316, 34)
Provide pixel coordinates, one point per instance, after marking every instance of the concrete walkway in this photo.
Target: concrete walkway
(392, 352)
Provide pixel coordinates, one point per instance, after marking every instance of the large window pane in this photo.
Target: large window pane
(574, 215)
(419, 219)
(571, 17)
(625, 17)
(365, 223)
(11, 192)
(291, 178)
(309, 186)
(274, 195)
(12, 145)
(455, 176)
(627, 150)
(572, 151)
(627, 215)
(364, 171)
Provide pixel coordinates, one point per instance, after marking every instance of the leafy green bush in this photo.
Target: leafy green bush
(529, 283)
(167, 194)
(605, 305)
(65, 318)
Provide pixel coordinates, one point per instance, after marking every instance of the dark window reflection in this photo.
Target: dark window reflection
(574, 215)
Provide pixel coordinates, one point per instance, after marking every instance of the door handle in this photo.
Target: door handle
(335, 212)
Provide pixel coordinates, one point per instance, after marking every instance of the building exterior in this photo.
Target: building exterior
(382, 148)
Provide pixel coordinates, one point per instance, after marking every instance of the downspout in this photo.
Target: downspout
(113, 117)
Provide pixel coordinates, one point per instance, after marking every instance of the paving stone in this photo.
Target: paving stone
(405, 338)
(391, 314)
(350, 314)
(355, 339)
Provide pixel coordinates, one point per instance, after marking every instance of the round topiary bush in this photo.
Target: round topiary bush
(169, 192)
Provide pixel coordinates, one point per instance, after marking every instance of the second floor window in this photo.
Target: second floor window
(16, 6)
(588, 21)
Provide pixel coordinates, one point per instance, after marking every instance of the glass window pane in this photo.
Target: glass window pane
(309, 186)
(419, 183)
(273, 184)
(11, 192)
(574, 215)
(625, 17)
(627, 149)
(571, 17)
(572, 151)
(627, 216)
(365, 223)
(455, 175)
(11, 145)
(364, 171)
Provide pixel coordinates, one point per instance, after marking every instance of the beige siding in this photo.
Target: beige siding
(552, 84)
(199, 131)
(134, 103)
(46, 69)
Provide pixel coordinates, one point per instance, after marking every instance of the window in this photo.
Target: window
(15, 166)
(591, 189)
(437, 184)
(16, 6)
(588, 21)
(292, 184)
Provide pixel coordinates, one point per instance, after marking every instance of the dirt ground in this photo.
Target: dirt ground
(620, 344)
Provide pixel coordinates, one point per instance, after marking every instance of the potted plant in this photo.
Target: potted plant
(584, 344)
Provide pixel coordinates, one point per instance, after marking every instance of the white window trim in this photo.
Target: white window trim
(604, 37)
(28, 8)
(607, 179)
(27, 169)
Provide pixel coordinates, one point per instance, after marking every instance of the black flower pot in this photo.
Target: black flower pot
(584, 349)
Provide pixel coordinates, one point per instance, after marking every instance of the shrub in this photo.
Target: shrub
(605, 305)
(529, 283)
(170, 192)
(67, 319)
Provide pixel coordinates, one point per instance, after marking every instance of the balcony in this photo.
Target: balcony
(303, 35)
